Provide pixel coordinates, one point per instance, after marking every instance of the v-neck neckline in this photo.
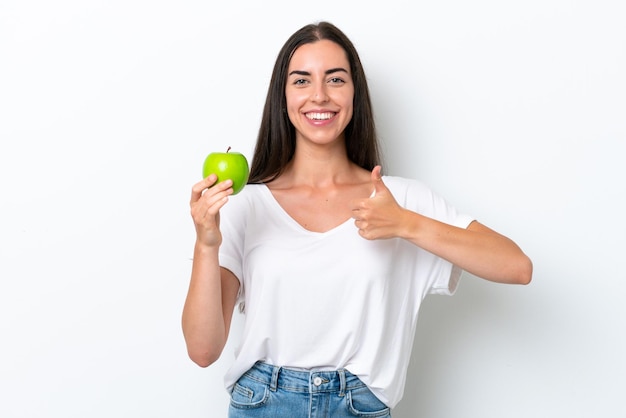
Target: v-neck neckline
(297, 225)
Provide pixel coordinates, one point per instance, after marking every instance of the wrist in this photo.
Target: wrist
(202, 248)
(410, 225)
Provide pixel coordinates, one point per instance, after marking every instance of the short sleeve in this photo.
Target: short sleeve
(232, 226)
(443, 276)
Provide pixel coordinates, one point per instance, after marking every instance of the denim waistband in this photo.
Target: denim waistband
(296, 380)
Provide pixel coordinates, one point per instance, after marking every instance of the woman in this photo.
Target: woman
(330, 259)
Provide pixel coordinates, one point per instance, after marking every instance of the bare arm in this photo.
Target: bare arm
(212, 293)
(476, 249)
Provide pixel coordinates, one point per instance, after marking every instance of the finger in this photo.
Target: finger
(364, 234)
(377, 180)
(221, 186)
(355, 206)
(217, 194)
(214, 209)
(220, 195)
(201, 187)
(210, 204)
(376, 173)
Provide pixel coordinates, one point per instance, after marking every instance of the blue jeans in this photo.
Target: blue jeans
(267, 391)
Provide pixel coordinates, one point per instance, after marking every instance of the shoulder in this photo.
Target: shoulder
(251, 191)
(400, 186)
(416, 195)
(246, 198)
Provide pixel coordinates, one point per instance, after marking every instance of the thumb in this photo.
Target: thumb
(377, 180)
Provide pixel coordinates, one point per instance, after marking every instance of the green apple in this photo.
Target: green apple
(227, 165)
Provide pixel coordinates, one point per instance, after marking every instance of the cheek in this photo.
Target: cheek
(293, 117)
(294, 102)
(348, 109)
(345, 100)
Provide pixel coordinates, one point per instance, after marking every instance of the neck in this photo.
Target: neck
(319, 166)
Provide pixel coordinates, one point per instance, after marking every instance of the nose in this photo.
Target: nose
(319, 93)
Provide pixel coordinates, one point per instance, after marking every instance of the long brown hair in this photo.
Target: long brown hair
(276, 141)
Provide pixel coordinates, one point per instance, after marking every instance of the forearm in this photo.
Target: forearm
(476, 249)
(203, 322)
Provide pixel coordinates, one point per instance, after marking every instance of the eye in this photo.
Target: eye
(336, 80)
(299, 82)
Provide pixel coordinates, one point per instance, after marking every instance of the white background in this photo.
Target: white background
(514, 111)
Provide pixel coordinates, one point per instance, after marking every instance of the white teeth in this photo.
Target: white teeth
(320, 116)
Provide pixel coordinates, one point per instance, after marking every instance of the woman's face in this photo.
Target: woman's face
(319, 92)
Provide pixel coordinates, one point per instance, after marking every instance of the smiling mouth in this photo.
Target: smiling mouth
(320, 116)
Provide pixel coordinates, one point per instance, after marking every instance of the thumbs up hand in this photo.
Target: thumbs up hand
(379, 216)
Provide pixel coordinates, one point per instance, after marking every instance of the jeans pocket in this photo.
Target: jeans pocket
(249, 394)
(363, 403)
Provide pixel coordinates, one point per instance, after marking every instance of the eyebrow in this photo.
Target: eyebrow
(327, 72)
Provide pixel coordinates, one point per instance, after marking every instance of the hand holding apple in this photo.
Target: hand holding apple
(227, 165)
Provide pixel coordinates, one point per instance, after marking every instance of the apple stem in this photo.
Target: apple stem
(228, 149)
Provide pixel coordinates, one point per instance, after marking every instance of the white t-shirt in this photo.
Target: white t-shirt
(331, 300)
